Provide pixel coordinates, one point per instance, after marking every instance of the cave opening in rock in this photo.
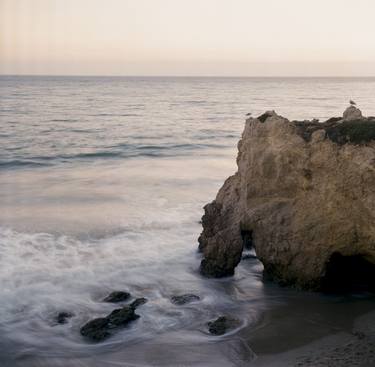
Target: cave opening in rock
(248, 251)
(247, 239)
(346, 274)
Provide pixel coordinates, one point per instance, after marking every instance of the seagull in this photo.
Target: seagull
(352, 103)
(248, 114)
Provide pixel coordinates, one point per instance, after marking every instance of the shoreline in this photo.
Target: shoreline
(346, 349)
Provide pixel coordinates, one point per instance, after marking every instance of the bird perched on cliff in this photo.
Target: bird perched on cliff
(248, 114)
(352, 103)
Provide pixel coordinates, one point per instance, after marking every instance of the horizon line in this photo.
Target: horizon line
(190, 76)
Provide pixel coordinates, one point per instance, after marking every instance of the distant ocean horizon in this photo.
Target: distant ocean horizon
(194, 76)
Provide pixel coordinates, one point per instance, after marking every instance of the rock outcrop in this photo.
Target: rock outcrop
(352, 113)
(303, 196)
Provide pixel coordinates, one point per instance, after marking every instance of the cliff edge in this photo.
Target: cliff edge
(304, 198)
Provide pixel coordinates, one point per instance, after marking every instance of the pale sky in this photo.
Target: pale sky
(188, 37)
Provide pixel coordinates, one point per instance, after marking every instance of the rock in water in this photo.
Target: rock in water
(96, 329)
(138, 302)
(99, 329)
(62, 317)
(117, 296)
(221, 325)
(304, 191)
(121, 316)
(184, 298)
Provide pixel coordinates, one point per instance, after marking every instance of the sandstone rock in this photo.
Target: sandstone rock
(303, 192)
(352, 113)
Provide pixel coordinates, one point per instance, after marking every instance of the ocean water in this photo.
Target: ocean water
(102, 184)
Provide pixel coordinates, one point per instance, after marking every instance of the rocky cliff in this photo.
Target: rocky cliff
(303, 197)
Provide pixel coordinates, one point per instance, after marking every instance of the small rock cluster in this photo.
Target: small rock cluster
(101, 328)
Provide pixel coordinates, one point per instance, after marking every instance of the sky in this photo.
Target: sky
(188, 37)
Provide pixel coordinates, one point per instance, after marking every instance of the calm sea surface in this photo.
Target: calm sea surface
(102, 184)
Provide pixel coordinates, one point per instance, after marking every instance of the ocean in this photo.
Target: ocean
(102, 185)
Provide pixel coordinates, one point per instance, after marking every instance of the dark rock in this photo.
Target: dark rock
(215, 270)
(96, 329)
(353, 132)
(99, 329)
(121, 316)
(359, 130)
(334, 119)
(184, 298)
(63, 316)
(117, 296)
(138, 302)
(221, 325)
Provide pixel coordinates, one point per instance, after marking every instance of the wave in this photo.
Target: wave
(17, 163)
(64, 120)
(116, 114)
(60, 272)
(119, 151)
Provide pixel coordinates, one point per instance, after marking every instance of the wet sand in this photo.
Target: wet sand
(346, 349)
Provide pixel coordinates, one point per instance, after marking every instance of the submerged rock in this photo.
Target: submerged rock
(303, 192)
(221, 325)
(99, 329)
(184, 298)
(62, 317)
(96, 329)
(121, 316)
(117, 296)
(138, 302)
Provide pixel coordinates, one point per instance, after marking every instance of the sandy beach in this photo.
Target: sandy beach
(356, 348)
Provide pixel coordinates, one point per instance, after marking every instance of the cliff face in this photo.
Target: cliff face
(303, 196)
